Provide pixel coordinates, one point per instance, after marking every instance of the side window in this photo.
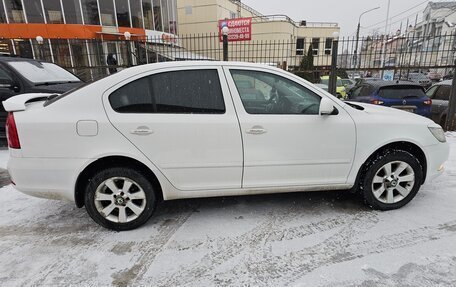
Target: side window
(443, 93)
(430, 93)
(179, 92)
(265, 93)
(366, 91)
(4, 75)
(355, 93)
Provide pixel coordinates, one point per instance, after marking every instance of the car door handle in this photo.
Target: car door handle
(256, 130)
(142, 131)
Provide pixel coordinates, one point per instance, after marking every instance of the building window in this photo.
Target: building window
(300, 46)
(90, 12)
(107, 13)
(33, 11)
(72, 11)
(165, 15)
(2, 13)
(53, 11)
(61, 52)
(148, 14)
(232, 15)
(123, 14)
(315, 44)
(136, 14)
(173, 17)
(157, 15)
(328, 46)
(15, 11)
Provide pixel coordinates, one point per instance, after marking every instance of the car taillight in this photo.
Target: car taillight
(11, 132)
(428, 102)
(376, 102)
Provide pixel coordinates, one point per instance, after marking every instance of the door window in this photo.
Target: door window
(4, 75)
(443, 93)
(265, 93)
(179, 92)
(431, 91)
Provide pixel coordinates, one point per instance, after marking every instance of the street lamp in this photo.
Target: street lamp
(40, 41)
(357, 35)
(127, 36)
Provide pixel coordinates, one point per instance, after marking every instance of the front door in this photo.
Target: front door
(184, 121)
(286, 141)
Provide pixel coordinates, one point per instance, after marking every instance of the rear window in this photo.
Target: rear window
(401, 92)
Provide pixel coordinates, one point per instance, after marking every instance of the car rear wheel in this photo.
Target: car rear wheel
(392, 180)
(120, 198)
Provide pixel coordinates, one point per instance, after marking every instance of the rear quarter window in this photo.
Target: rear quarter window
(401, 92)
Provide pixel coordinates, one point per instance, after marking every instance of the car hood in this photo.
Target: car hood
(390, 113)
(58, 88)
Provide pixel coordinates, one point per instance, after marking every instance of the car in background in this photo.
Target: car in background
(434, 76)
(322, 86)
(401, 95)
(418, 78)
(440, 95)
(22, 75)
(340, 88)
(348, 83)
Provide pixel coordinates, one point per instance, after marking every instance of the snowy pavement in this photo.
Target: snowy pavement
(300, 239)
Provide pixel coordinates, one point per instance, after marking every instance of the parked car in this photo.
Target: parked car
(348, 84)
(440, 95)
(21, 75)
(322, 86)
(419, 78)
(340, 88)
(402, 95)
(193, 129)
(434, 76)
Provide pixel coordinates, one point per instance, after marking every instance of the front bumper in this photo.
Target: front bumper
(436, 156)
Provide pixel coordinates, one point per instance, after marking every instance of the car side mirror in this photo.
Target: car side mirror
(326, 107)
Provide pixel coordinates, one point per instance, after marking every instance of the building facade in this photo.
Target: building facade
(66, 31)
(202, 17)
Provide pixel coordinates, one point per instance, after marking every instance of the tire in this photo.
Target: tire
(384, 190)
(120, 198)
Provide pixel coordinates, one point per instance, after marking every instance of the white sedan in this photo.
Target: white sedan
(198, 129)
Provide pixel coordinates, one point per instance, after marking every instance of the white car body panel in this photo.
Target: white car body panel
(53, 153)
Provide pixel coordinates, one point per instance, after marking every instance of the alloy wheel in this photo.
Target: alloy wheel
(393, 182)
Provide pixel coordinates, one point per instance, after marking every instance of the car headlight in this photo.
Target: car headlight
(438, 133)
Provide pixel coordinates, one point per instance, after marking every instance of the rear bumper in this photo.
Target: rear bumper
(436, 156)
(49, 178)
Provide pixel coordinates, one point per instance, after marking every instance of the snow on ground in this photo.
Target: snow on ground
(300, 239)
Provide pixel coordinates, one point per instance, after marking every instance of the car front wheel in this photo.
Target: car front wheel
(120, 198)
(392, 180)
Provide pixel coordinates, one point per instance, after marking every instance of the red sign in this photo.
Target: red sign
(240, 29)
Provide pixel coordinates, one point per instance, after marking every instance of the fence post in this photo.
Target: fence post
(333, 75)
(452, 103)
(225, 31)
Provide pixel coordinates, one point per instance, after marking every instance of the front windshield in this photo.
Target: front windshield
(41, 73)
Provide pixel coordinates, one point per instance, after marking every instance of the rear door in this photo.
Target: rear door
(184, 121)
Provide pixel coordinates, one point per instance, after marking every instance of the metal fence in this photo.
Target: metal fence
(367, 56)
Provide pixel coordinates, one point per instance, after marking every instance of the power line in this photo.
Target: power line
(403, 12)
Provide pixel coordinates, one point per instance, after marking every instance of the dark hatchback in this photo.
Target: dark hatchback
(402, 95)
(21, 75)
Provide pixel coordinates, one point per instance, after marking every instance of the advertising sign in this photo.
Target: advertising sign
(240, 29)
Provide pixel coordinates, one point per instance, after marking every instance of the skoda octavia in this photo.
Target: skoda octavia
(198, 129)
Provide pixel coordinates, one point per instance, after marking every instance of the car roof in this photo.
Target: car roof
(327, 77)
(380, 84)
(16, 59)
(446, 82)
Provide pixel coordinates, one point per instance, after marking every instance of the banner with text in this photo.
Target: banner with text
(239, 29)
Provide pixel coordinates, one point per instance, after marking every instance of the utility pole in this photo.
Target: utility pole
(385, 37)
(357, 39)
(450, 125)
(332, 87)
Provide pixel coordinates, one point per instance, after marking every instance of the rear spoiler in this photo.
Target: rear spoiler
(17, 103)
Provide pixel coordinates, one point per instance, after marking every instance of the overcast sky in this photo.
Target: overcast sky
(344, 12)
